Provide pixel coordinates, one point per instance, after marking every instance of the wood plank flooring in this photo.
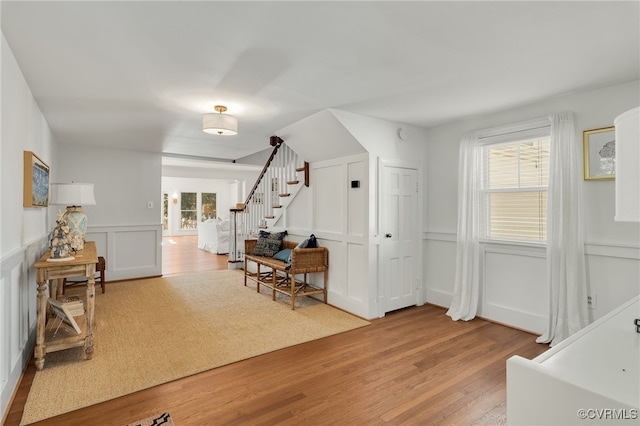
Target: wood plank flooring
(180, 255)
(413, 367)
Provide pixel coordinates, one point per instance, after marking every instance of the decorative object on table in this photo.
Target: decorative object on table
(64, 315)
(74, 196)
(220, 124)
(36, 181)
(599, 153)
(60, 243)
(627, 131)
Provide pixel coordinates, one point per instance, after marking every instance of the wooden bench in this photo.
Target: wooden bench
(281, 277)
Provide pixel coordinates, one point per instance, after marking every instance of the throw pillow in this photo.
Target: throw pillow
(269, 243)
(284, 255)
(308, 243)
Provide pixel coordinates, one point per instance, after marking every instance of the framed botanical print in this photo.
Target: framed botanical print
(36, 181)
(599, 153)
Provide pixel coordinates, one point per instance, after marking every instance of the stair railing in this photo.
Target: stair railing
(265, 202)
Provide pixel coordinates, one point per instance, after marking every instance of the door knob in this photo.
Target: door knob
(387, 235)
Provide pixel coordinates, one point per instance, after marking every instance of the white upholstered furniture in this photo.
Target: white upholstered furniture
(213, 236)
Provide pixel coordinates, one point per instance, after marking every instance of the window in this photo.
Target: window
(188, 210)
(165, 212)
(515, 177)
(208, 206)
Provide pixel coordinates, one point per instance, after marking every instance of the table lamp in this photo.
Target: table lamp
(74, 196)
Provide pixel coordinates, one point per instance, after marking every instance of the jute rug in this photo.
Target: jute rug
(153, 331)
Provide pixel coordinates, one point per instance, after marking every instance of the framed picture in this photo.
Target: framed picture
(36, 181)
(599, 153)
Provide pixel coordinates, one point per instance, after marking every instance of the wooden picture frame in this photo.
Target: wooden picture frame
(36, 181)
(599, 153)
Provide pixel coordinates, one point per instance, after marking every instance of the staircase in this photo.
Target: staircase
(278, 183)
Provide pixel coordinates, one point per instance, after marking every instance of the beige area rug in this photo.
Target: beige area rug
(153, 331)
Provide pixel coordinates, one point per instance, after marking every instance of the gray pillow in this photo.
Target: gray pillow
(308, 243)
(269, 243)
(284, 255)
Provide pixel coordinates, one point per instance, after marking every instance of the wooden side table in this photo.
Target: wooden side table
(53, 273)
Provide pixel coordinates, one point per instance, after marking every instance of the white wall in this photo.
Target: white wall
(514, 278)
(346, 219)
(23, 231)
(127, 232)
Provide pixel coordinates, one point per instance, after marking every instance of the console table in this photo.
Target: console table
(53, 273)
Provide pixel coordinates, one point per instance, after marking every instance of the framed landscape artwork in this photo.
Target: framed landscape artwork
(36, 181)
(599, 153)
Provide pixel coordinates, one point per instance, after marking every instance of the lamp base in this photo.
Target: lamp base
(77, 221)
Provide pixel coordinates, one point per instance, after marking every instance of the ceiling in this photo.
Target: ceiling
(139, 75)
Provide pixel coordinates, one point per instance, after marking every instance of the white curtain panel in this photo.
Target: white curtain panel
(467, 282)
(566, 273)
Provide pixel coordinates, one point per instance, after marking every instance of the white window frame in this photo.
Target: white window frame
(505, 135)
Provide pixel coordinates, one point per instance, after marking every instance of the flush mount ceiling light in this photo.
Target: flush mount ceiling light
(220, 124)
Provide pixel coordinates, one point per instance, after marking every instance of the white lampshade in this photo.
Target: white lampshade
(628, 166)
(219, 124)
(72, 194)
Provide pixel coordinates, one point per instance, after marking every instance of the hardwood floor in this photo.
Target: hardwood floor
(180, 255)
(414, 366)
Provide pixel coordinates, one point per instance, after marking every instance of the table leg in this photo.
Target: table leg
(41, 320)
(91, 293)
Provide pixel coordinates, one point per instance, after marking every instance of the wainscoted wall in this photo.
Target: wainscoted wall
(130, 251)
(513, 279)
(18, 316)
(338, 215)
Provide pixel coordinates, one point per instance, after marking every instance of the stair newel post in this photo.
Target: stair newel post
(232, 237)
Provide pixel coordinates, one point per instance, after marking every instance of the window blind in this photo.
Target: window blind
(515, 178)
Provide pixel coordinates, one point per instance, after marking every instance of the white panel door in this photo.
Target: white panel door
(399, 245)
